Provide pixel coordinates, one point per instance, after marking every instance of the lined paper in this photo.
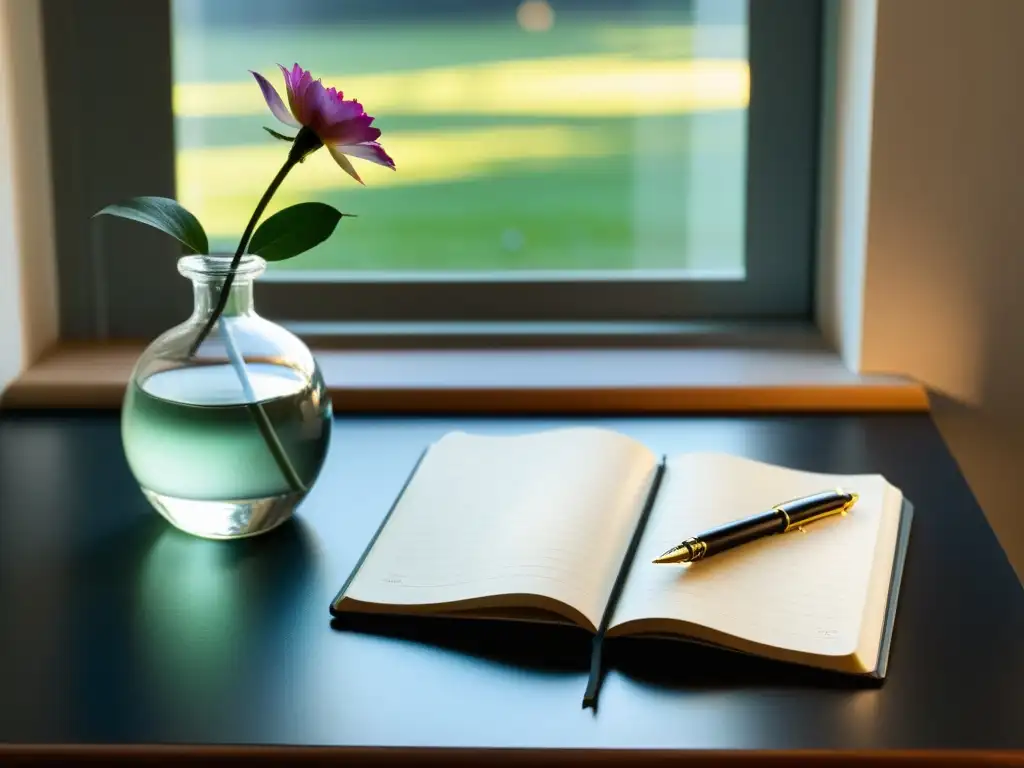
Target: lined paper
(807, 592)
(548, 514)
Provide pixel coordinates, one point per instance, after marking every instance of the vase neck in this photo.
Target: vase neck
(206, 294)
(208, 274)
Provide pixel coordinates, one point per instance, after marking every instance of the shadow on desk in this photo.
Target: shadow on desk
(543, 648)
(552, 648)
(680, 665)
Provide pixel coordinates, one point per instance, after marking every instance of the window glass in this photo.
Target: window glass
(579, 136)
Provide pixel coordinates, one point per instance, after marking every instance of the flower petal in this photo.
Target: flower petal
(344, 162)
(343, 126)
(369, 150)
(297, 80)
(353, 131)
(291, 76)
(274, 101)
(336, 110)
(287, 79)
(334, 119)
(308, 99)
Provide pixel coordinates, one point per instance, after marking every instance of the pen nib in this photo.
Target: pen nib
(674, 555)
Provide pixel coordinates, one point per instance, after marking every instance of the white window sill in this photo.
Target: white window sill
(522, 380)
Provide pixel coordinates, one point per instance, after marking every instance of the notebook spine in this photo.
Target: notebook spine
(596, 671)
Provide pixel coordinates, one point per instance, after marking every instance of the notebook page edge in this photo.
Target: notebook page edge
(895, 582)
(873, 618)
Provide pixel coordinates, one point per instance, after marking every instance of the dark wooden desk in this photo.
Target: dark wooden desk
(118, 630)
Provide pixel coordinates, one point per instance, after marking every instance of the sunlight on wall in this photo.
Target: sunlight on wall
(570, 86)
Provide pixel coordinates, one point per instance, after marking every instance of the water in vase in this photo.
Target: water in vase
(194, 442)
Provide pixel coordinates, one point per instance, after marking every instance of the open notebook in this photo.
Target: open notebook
(563, 525)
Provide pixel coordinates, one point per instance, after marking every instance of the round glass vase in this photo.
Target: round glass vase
(227, 439)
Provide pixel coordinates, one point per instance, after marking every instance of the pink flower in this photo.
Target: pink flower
(343, 126)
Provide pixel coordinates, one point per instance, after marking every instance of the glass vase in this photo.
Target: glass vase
(226, 439)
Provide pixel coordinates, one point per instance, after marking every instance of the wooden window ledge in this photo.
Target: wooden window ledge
(522, 380)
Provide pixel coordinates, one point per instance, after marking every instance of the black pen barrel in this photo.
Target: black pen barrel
(781, 518)
(744, 531)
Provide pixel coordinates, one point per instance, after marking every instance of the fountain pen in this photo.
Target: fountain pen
(779, 519)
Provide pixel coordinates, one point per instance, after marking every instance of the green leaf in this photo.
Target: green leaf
(277, 135)
(294, 230)
(166, 215)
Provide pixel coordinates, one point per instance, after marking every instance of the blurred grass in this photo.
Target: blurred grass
(599, 192)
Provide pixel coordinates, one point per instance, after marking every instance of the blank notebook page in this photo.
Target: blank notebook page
(806, 591)
(548, 513)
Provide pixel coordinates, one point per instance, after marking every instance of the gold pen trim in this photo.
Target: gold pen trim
(697, 547)
(694, 550)
(785, 514)
(822, 515)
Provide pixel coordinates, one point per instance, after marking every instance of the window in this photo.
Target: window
(558, 159)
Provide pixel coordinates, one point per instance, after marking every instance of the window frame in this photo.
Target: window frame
(112, 136)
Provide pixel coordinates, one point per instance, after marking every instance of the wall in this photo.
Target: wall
(28, 308)
(848, 78)
(944, 278)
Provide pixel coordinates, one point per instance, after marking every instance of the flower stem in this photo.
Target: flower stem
(305, 142)
(225, 289)
(256, 409)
